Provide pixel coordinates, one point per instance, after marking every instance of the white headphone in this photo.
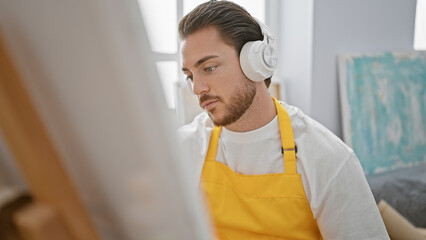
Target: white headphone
(258, 59)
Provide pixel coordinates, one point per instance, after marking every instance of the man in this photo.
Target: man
(243, 145)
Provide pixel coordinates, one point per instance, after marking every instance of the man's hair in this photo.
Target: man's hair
(235, 25)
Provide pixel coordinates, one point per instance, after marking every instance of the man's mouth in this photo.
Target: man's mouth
(209, 104)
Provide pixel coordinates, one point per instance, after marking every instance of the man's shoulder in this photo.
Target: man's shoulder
(195, 136)
(306, 127)
(200, 124)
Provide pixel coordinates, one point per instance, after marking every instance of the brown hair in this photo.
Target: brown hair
(235, 25)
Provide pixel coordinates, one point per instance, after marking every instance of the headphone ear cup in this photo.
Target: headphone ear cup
(258, 60)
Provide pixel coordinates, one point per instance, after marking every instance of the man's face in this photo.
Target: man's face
(217, 79)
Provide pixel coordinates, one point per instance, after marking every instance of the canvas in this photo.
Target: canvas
(383, 108)
(90, 75)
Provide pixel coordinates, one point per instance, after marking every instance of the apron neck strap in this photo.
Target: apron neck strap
(214, 140)
(287, 139)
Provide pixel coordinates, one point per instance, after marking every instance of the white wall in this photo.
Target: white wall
(295, 63)
(338, 26)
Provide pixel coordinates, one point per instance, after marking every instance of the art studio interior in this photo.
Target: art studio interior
(93, 95)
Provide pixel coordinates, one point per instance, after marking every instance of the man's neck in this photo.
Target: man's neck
(261, 112)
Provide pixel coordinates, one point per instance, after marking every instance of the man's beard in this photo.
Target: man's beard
(240, 101)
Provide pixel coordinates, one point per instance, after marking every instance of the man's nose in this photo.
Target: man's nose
(199, 85)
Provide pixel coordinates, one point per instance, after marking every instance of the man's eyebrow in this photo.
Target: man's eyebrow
(199, 62)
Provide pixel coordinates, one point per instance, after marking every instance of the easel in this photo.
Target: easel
(56, 212)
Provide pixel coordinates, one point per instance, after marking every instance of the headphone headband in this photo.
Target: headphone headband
(266, 32)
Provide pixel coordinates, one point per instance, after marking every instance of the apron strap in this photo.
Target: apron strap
(214, 140)
(287, 139)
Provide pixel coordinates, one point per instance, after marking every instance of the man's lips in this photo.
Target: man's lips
(208, 104)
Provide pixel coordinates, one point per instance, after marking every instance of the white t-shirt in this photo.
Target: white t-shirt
(334, 182)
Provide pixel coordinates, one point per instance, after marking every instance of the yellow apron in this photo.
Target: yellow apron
(267, 206)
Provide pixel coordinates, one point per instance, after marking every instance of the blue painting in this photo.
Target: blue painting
(383, 108)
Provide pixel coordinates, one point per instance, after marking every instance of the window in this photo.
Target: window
(420, 27)
(161, 19)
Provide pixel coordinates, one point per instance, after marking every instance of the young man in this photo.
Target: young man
(243, 146)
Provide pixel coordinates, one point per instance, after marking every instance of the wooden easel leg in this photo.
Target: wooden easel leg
(38, 159)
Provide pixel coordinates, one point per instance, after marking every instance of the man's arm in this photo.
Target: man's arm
(348, 209)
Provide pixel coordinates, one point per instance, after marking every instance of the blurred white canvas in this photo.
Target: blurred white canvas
(88, 68)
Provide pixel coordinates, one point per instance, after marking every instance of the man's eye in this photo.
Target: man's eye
(189, 78)
(209, 69)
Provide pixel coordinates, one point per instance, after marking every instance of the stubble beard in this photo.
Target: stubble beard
(240, 101)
